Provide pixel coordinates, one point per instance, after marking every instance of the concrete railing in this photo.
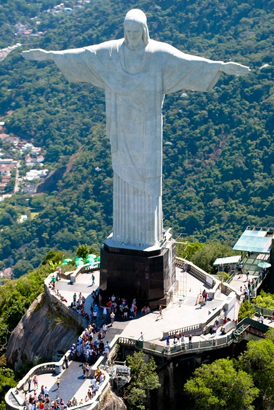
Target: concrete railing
(66, 310)
(179, 349)
(81, 269)
(213, 283)
(195, 330)
(13, 397)
(198, 328)
(196, 271)
(14, 400)
(264, 311)
(209, 280)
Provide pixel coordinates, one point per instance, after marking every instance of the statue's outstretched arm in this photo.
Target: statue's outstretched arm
(234, 69)
(37, 54)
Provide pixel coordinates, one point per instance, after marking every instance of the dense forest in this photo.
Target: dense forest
(218, 146)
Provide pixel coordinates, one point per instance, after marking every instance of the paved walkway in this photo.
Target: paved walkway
(72, 383)
(83, 285)
(173, 316)
(176, 315)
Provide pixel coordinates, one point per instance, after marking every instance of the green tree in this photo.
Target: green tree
(38, 203)
(6, 381)
(246, 310)
(265, 300)
(206, 255)
(6, 219)
(82, 251)
(219, 386)
(53, 257)
(223, 276)
(270, 334)
(258, 361)
(187, 249)
(21, 267)
(143, 379)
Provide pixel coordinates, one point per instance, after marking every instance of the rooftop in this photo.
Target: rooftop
(257, 240)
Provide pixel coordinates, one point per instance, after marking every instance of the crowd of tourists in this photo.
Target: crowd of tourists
(40, 400)
(90, 345)
(79, 305)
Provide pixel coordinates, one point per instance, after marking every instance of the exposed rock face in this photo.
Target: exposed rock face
(113, 402)
(41, 333)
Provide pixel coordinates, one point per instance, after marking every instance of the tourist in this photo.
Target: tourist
(66, 362)
(189, 341)
(200, 300)
(104, 314)
(95, 389)
(143, 310)
(104, 330)
(35, 382)
(131, 312)
(102, 378)
(101, 347)
(160, 315)
(87, 371)
(106, 351)
(53, 279)
(29, 382)
(125, 311)
(84, 369)
(112, 317)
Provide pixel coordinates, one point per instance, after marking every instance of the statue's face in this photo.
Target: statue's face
(134, 34)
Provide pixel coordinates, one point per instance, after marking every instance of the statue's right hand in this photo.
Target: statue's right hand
(37, 54)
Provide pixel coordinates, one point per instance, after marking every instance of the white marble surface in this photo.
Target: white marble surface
(136, 72)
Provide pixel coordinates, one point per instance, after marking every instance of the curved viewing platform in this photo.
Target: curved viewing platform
(184, 327)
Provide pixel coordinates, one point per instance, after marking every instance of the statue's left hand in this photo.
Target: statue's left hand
(235, 69)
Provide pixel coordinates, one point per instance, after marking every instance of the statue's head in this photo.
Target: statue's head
(135, 28)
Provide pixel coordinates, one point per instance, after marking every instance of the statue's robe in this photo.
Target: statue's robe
(134, 123)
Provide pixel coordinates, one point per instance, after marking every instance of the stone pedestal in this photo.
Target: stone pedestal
(145, 274)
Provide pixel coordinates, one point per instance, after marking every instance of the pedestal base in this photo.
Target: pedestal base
(133, 273)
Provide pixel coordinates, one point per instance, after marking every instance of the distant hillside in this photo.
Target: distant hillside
(218, 146)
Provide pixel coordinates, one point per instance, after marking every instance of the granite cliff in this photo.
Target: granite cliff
(42, 333)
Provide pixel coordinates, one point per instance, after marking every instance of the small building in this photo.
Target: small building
(35, 174)
(229, 262)
(257, 248)
(7, 161)
(22, 218)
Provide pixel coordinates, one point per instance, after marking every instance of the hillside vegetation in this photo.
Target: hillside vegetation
(218, 146)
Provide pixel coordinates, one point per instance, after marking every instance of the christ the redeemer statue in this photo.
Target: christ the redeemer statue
(135, 73)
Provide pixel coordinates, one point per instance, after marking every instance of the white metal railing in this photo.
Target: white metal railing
(50, 368)
(180, 348)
